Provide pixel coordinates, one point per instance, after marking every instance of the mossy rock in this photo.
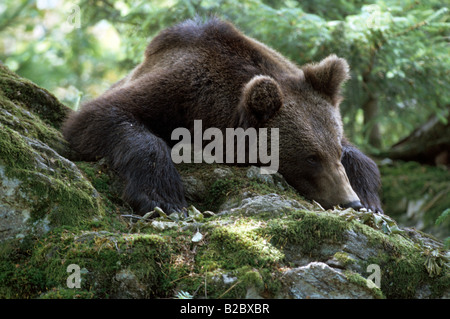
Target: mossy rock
(30, 97)
(40, 187)
(251, 235)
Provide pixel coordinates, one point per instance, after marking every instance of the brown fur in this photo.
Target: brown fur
(211, 71)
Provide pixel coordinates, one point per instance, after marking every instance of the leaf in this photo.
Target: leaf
(396, 230)
(148, 215)
(377, 219)
(175, 216)
(197, 237)
(195, 214)
(160, 212)
(208, 213)
(385, 228)
(444, 215)
(183, 295)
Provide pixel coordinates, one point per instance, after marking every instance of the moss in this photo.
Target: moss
(402, 264)
(17, 117)
(30, 96)
(66, 293)
(233, 185)
(343, 258)
(62, 204)
(307, 229)
(28, 273)
(237, 250)
(49, 183)
(13, 149)
(249, 249)
(403, 272)
(106, 183)
(220, 190)
(362, 282)
(238, 244)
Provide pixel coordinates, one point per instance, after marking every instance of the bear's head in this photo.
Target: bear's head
(305, 108)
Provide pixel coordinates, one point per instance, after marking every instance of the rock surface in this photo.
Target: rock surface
(319, 281)
(250, 235)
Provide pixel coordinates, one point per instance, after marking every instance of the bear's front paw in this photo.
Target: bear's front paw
(169, 208)
(144, 202)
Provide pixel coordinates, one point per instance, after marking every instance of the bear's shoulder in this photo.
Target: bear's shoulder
(196, 32)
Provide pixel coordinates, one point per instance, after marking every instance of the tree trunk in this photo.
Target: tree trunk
(370, 109)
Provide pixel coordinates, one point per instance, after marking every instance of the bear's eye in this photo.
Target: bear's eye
(313, 160)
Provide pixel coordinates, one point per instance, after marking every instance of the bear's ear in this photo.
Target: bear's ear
(260, 100)
(328, 76)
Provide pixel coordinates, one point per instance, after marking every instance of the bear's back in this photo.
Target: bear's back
(198, 69)
(213, 44)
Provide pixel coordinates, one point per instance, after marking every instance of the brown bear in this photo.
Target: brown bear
(208, 70)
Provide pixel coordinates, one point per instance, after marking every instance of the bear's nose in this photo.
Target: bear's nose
(356, 205)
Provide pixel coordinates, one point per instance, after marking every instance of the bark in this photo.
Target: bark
(370, 109)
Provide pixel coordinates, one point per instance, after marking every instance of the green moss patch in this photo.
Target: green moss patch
(307, 229)
(28, 95)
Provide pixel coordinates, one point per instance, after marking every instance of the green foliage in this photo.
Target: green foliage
(445, 214)
(403, 182)
(444, 217)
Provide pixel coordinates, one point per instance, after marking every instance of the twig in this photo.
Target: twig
(238, 282)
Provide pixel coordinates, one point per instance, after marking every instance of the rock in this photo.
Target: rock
(39, 187)
(319, 281)
(222, 173)
(254, 173)
(41, 190)
(270, 203)
(194, 188)
(275, 179)
(252, 293)
(127, 286)
(357, 248)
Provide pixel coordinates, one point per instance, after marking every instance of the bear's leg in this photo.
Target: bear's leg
(138, 156)
(149, 174)
(363, 175)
